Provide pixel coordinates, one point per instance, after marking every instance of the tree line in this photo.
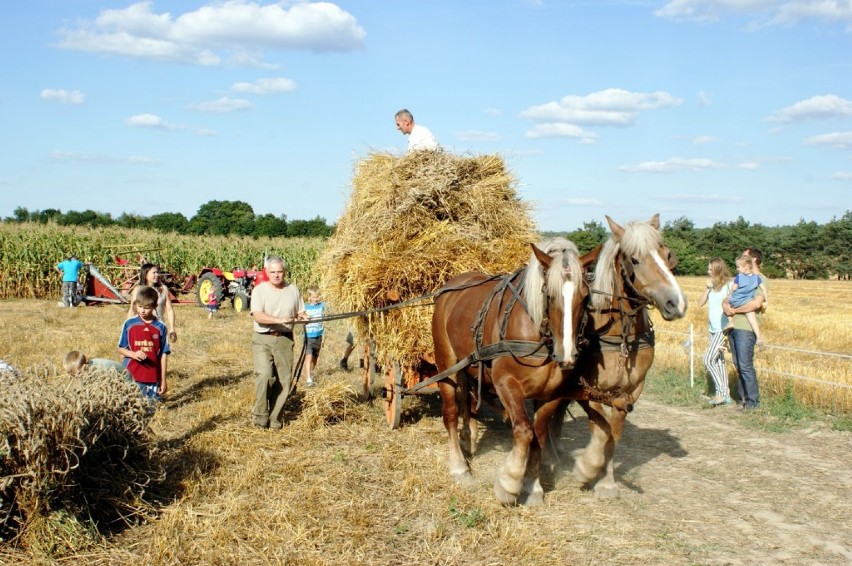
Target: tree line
(215, 218)
(806, 250)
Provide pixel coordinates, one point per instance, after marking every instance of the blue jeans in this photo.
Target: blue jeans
(741, 343)
(150, 394)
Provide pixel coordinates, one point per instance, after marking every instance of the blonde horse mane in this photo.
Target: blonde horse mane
(639, 239)
(565, 254)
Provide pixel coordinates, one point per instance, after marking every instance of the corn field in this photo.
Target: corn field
(29, 253)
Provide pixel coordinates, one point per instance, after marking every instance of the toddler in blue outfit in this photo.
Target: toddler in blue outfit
(744, 287)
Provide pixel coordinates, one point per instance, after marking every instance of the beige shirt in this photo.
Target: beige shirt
(286, 302)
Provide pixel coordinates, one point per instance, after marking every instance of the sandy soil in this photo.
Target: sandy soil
(721, 490)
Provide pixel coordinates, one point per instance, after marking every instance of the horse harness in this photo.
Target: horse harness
(627, 341)
(483, 354)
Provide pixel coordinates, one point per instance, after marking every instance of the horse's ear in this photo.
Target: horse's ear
(542, 257)
(617, 230)
(655, 221)
(591, 257)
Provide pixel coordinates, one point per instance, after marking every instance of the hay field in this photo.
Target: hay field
(337, 487)
(805, 323)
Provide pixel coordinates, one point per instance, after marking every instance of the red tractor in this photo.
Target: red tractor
(235, 285)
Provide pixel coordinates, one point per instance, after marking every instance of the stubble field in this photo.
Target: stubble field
(699, 486)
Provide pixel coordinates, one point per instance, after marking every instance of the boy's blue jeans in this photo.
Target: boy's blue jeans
(150, 394)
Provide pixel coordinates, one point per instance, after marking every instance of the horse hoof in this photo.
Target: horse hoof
(464, 478)
(533, 499)
(583, 474)
(606, 492)
(504, 496)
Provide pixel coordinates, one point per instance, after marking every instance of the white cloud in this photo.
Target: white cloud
(771, 12)
(749, 165)
(582, 202)
(825, 10)
(842, 176)
(221, 106)
(150, 121)
(490, 111)
(234, 30)
(609, 107)
(672, 165)
(828, 106)
(205, 132)
(66, 156)
(703, 99)
(699, 198)
(275, 85)
(842, 140)
(63, 96)
(701, 140)
(556, 130)
(475, 135)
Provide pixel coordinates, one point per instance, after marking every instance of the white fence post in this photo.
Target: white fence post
(691, 356)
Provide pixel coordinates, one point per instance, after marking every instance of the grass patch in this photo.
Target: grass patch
(778, 412)
(842, 423)
(671, 387)
(468, 518)
(786, 407)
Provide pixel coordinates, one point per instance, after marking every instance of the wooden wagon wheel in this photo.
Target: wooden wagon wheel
(393, 394)
(369, 366)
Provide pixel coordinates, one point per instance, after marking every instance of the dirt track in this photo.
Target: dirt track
(728, 493)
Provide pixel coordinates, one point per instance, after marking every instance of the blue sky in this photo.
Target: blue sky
(709, 109)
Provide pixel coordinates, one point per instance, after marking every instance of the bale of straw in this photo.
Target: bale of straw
(75, 451)
(412, 223)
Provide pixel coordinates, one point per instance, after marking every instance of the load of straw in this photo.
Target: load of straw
(75, 459)
(411, 224)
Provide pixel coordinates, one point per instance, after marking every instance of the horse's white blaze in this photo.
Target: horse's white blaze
(567, 322)
(681, 302)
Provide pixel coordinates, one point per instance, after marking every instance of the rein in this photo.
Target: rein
(414, 302)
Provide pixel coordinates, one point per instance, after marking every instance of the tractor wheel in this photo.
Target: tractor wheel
(240, 301)
(206, 283)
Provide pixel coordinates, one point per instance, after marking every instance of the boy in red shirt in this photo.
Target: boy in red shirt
(144, 343)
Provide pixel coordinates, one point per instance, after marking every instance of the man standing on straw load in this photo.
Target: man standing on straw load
(419, 137)
(275, 304)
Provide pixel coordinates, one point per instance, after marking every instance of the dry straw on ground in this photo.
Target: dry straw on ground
(75, 458)
(337, 487)
(412, 223)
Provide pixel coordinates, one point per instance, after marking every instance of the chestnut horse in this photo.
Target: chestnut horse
(519, 331)
(633, 273)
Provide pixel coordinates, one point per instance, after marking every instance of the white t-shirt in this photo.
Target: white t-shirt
(421, 138)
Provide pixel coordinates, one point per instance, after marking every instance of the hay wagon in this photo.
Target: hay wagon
(412, 223)
(399, 380)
